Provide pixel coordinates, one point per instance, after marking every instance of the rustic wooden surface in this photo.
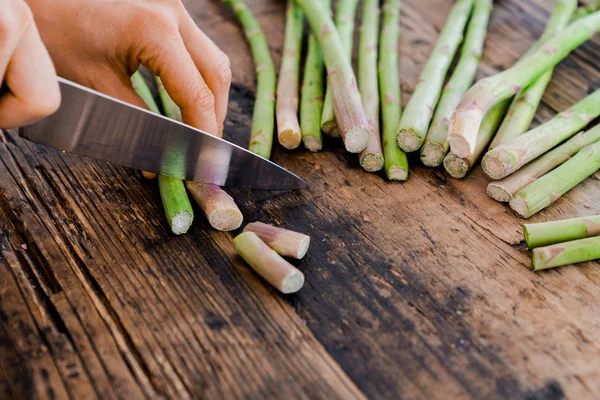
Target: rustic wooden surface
(414, 290)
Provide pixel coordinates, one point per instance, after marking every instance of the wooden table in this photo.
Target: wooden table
(413, 290)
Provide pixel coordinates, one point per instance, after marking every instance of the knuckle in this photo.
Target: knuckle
(14, 19)
(46, 104)
(204, 99)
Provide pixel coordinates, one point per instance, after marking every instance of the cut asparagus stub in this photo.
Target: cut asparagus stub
(171, 109)
(142, 89)
(396, 162)
(371, 158)
(267, 263)
(436, 144)
(567, 253)
(504, 190)
(507, 158)
(458, 167)
(419, 110)
(286, 243)
(286, 109)
(345, 13)
(547, 233)
(546, 190)
(263, 117)
(218, 207)
(349, 112)
(490, 91)
(525, 104)
(176, 204)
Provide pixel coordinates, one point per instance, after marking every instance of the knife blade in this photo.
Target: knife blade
(91, 124)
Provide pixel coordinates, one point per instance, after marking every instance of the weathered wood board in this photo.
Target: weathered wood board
(418, 290)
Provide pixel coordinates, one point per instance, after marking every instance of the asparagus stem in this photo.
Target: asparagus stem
(286, 108)
(267, 263)
(550, 187)
(142, 89)
(547, 233)
(350, 115)
(490, 91)
(526, 102)
(345, 13)
(396, 163)
(311, 100)
(286, 243)
(566, 253)
(218, 207)
(371, 158)
(507, 158)
(176, 204)
(458, 167)
(436, 144)
(505, 189)
(263, 118)
(419, 110)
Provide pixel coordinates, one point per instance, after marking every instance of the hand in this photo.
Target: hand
(28, 86)
(101, 43)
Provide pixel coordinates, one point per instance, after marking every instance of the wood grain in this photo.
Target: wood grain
(418, 290)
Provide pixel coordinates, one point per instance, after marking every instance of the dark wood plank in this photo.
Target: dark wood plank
(414, 290)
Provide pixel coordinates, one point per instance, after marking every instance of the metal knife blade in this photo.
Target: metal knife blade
(92, 124)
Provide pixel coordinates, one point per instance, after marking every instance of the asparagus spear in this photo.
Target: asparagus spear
(417, 115)
(436, 145)
(371, 158)
(396, 163)
(458, 167)
(263, 118)
(547, 233)
(507, 158)
(345, 12)
(504, 190)
(311, 100)
(550, 187)
(286, 108)
(267, 263)
(218, 207)
(490, 91)
(140, 87)
(526, 102)
(350, 115)
(566, 253)
(285, 242)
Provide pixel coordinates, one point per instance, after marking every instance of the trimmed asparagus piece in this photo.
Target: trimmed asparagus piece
(286, 109)
(504, 190)
(458, 167)
(311, 99)
(349, 112)
(419, 110)
(267, 263)
(526, 102)
(170, 108)
(218, 207)
(568, 253)
(371, 158)
(507, 158)
(263, 117)
(547, 233)
(285, 242)
(436, 144)
(490, 91)
(176, 204)
(142, 89)
(546, 190)
(396, 163)
(345, 13)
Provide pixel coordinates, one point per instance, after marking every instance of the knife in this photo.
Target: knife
(91, 124)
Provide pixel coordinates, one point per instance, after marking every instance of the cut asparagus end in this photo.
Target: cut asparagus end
(526, 235)
(312, 143)
(356, 139)
(397, 173)
(181, 222)
(457, 167)
(330, 128)
(285, 242)
(267, 263)
(494, 166)
(432, 154)
(520, 206)
(498, 193)
(218, 207)
(178, 209)
(290, 138)
(409, 139)
(464, 128)
(226, 220)
(148, 175)
(371, 162)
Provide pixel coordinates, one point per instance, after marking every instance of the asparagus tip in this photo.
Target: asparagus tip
(498, 193)
(397, 173)
(312, 143)
(357, 139)
(371, 162)
(181, 222)
(432, 154)
(408, 139)
(456, 166)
